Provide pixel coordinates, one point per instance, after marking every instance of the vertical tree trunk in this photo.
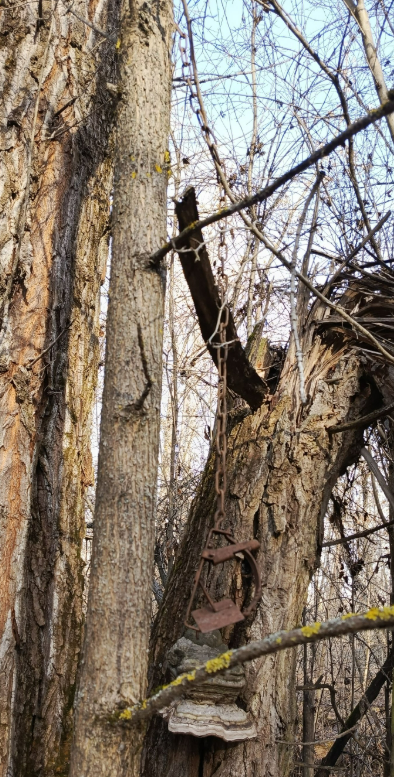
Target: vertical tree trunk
(55, 118)
(282, 465)
(114, 667)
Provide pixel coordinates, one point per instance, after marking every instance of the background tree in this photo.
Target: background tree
(114, 666)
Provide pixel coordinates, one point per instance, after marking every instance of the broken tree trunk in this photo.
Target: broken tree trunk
(241, 375)
(282, 465)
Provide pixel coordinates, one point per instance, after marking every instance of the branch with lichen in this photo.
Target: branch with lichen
(348, 624)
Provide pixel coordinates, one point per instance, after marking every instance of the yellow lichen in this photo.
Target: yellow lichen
(178, 680)
(384, 614)
(125, 715)
(167, 157)
(279, 640)
(133, 174)
(221, 662)
(158, 169)
(309, 631)
(117, 45)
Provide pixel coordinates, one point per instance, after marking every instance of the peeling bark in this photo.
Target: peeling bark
(56, 177)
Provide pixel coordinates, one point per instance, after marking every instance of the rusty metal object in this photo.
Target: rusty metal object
(225, 613)
(228, 551)
(217, 615)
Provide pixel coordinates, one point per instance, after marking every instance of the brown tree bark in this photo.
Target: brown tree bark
(282, 465)
(56, 175)
(114, 666)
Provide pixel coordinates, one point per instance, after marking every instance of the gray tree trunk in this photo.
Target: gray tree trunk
(55, 117)
(114, 667)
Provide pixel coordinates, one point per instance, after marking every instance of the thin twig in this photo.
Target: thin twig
(40, 355)
(358, 534)
(293, 307)
(358, 248)
(318, 741)
(92, 26)
(379, 477)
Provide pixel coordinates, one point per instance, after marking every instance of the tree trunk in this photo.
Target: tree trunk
(114, 666)
(56, 177)
(282, 465)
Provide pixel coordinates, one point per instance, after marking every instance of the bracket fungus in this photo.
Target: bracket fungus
(210, 708)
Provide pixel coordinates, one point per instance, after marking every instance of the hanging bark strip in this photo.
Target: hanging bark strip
(241, 375)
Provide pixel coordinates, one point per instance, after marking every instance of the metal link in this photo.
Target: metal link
(221, 421)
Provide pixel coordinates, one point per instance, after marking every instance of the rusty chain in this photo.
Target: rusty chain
(222, 351)
(221, 421)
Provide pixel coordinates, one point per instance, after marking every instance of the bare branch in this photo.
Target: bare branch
(282, 640)
(357, 535)
(363, 421)
(263, 194)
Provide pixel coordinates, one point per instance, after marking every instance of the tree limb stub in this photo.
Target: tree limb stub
(348, 624)
(241, 375)
(365, 121)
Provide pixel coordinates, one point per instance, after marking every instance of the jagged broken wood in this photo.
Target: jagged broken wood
(241, 375)
(350, 623)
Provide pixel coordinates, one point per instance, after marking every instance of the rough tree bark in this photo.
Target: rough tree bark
(114, 665)
(282, 465)
(55, 185)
